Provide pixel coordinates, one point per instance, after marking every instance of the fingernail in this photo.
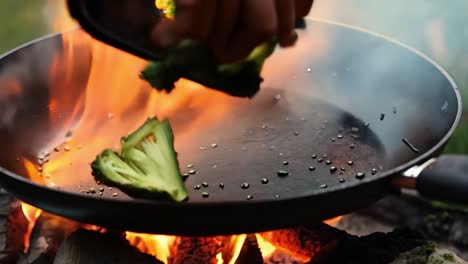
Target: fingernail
(290, 40)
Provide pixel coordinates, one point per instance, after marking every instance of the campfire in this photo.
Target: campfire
(65, 239)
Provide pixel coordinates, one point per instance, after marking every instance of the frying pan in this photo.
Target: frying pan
(374, 109)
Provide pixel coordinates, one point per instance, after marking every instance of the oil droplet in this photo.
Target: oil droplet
(282, 173)
(205, 184)
(328, 162)
(339, 136)
(214, 167)
(190, 166)
(323, 186)
(202, 148)
(115, 194)
(192, 171)
(309, 70)
(285, 162)
(281, 154)
(360, 175)
(324, 156)
(374, 171)
(110, 188)
(350, 162)
(214, 145)
(66, 147)
(319, 160)
(56, 149)
(221, 185)
(366, 124)
(314, 156)
(197, 187)
(277, 97)
(343, 169)
(311, 168)
(245, 186)
(277, 196)
(101, 189)
(333, 139)
(265, 181)
(341, 180)
(352, 146)
(296, 133)
(249, 197)
(205, 195)
(333, 169)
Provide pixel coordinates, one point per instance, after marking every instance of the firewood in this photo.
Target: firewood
(305, 241)
(13, 227)
(250, 252)
(194, 250)
(89, 247)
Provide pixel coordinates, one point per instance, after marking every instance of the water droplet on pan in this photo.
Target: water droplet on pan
(245, 185)
(282, 173)
(265, 181)
(311, 168)
(333, 169)
(360, 175)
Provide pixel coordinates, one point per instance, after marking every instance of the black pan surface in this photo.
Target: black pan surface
(339, 113)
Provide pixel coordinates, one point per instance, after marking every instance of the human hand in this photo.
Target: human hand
(232, 28)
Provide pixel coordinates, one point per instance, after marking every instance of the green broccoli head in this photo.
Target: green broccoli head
(147, 166)
(194, 61)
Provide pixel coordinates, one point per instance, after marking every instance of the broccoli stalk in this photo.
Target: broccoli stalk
(147, 166)
(194, 61)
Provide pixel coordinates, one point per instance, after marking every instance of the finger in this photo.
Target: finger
(303, 7)
(286, 14)
(193, 19)
(257, 24)
(227, 15)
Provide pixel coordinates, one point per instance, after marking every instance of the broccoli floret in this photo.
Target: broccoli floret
(192, 60)
(147, 166)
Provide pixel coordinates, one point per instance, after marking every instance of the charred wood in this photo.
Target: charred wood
(250, 252)
(192, 250)
(13, 226)
(90, 247)
(305, 241)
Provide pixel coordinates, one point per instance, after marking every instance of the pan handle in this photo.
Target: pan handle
(444, 179)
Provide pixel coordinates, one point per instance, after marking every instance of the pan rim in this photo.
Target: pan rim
(385, 174)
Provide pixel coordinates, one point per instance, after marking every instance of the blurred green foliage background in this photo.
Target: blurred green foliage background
(435, 27)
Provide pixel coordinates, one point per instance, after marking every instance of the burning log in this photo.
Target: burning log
(193, 250)
(13, 228)
(90, 247)
(250, 252)
(305, 241)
